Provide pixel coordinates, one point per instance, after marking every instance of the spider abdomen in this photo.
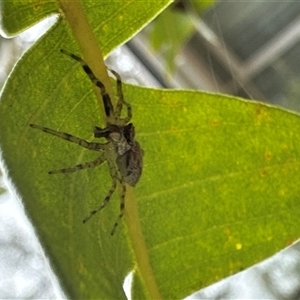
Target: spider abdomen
(130, 164)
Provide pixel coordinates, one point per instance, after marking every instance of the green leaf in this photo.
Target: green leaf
(45, 89)
(219, 190)
(17, 16)
(202, 6)
(170, 39)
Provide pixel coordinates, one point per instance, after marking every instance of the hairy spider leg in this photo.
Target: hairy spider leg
(82, 166)
(122, 207)
(71, 138)
(109, 110)
(121, 100)
(115, 178)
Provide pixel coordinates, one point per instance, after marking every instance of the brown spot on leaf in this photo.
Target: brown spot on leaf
(268, 155)
(263, 172)
(214, 122)
(261, 114)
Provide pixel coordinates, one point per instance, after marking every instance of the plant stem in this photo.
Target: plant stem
(88, 44)
(92, 55)
(139, 245)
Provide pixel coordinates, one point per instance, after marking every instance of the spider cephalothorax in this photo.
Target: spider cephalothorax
(127, 148)
(121, 151)
(115, 135)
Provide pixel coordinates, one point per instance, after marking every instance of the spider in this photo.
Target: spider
(121, 151)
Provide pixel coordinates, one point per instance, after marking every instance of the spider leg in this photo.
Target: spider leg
(122, 208)
(71, 138)
(82, 166)
(109, 110)
(105, 201)
(101, 132)
(121, 100)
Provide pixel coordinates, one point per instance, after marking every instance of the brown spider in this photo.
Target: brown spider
(122, 152)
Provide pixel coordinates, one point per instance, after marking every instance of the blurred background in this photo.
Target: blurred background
(249, 49)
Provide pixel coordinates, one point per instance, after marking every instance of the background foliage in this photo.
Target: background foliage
(169, 40)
